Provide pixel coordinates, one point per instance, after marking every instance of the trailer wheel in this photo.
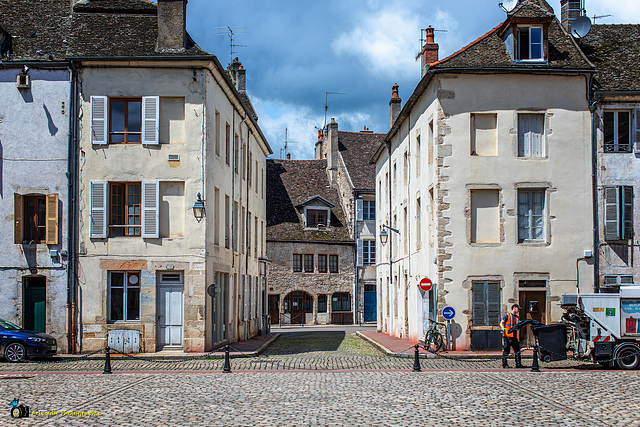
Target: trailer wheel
(627, 356)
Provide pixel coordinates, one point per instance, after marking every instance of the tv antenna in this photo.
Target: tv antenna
(286, 143)
(599, 16)
(231, 32)
(326, 104)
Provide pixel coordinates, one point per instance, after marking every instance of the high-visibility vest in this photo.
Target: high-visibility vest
(512, 320)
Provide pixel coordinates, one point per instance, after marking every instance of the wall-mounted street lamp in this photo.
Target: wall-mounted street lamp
(198, 208)
(384, 236)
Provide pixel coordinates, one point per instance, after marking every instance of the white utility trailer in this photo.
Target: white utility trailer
(604, 327)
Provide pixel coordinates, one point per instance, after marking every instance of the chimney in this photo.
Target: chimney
(288, 156)
(319, 152)
(332, 151)
(570, 10)
(238, 75)
(172, 26)
(429, 49)
(394, 105)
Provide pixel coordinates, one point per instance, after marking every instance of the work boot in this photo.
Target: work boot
(519, 361)
(505, 365)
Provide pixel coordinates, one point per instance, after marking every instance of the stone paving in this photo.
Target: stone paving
(319, 379)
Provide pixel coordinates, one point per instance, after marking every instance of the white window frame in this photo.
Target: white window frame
(525, 149)
(616, 137)
(530, 216)
(529, 28)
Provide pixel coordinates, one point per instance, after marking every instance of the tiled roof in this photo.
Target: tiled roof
(46, 30)
(356, 149)
(615, 51)
(291, 183)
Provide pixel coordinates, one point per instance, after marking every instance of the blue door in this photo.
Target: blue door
(370, 303)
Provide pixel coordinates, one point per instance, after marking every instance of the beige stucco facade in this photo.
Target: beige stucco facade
(452, 188)
(220, 252)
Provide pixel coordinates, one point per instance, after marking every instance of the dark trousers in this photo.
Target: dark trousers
(511, 342)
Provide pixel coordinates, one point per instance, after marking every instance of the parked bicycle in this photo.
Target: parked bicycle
(433, 340)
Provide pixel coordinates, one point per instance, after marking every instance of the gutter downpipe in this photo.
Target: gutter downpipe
(594, 184)
(356, 299)
(389, 293)
(71, 208)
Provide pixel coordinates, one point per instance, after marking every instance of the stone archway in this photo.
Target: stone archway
(297, 305)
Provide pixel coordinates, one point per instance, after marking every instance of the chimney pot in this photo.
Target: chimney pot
(319, 135)
(288, 156)
(429, 49)
(394, 105)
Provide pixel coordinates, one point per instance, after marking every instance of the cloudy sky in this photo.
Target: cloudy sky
(297, 51)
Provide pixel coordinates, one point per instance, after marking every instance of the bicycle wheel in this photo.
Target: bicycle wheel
(433, 342)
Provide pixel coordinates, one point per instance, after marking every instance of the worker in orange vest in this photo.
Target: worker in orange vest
(510, 339)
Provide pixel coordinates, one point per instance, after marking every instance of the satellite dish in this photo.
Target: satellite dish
(509, 5)
(580, 27)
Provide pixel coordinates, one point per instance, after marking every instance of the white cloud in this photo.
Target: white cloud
(386, 41)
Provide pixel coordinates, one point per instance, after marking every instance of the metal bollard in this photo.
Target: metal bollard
(534, 365)
(227, 364)
(107, 362)
(416, 359)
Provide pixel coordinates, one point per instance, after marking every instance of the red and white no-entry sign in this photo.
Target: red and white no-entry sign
(426, 284)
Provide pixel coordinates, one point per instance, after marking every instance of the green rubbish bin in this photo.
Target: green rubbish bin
(552, 342)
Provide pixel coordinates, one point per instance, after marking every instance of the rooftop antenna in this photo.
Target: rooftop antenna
(326, 104)
(599, 16)
(286, 142)
(231, 32)
(508, 5)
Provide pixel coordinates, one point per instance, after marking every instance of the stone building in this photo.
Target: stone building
(615, 52)
(486, 174)
(352, 174)
(311, 254)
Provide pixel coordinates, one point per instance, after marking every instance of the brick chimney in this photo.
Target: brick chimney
(288, 156)
(429, 49)
(332, 151)
(238, 75)
(570, 10)
(394, 105)
(172, 26)
(319, 153)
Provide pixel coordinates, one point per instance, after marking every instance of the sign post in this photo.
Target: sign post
(448, 313)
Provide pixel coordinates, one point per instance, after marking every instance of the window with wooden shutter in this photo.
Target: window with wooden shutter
(359, 206)
(531, 135)
(17, 218)
(99, 120)
(151, 120)
(611, 227)
(618, 212)
(360, 246)
(52, 219)
(98, 201)
(636, 121)
(150, 203)
(485, 303)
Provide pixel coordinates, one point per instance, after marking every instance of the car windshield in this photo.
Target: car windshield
(8, 325)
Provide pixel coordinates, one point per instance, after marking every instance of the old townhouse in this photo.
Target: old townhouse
(311, 254)
(35, 114)
(484, 182)
(615, 51)
(351, 173)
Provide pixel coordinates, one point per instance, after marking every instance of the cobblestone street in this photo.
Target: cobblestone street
(319, 379)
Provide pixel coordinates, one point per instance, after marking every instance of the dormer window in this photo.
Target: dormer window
(530, 42)
(317, 218)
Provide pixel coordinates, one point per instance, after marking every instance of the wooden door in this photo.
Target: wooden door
(274, 308)
(35, 304)
(170, 302)
(533, 305)
(297, 308)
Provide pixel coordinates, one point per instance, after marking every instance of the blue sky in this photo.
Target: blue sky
(296, 51)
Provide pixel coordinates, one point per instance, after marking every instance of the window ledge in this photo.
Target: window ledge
(531, 243)
(485, 245)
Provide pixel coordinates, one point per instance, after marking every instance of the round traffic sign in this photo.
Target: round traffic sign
(426, 284)
(448, 313)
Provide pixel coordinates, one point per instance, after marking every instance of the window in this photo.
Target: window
(531, 216)
(341, 301)
(368, 252)
(308, 263)
(227, 206)
(430, 142)
(418, 224)
(317, 218)
(418, 154)
(124, 295)
(227, 142)
(235, 220)
(36, 219)
(236, 153)
(297, 263)
(250, 170)
(617, 131)
(486, 303)
(322, 263)
(369, 210)
(216, 217)
(35, 214)
(322, 303)
(124, 209)
(530, 135)
(405, 169)
(125, 120)
(618, 212)
(485, 216)
(333, 263)
(530, 44)
(217, 131)
(484, 134)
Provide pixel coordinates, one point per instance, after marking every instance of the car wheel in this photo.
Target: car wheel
(15, 352)
(627, 356)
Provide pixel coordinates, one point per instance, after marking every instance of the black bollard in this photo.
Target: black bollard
(107, 362)
(227, 364)
(534, 365)
(416, 360)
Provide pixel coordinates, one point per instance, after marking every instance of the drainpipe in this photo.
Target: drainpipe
(71, 209)
(355, 259)
(594, 185)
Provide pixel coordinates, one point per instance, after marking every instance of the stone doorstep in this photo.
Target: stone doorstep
(462, 354)
(179, 354)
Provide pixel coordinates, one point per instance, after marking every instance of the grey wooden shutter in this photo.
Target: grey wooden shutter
(150, 120)
(150, 207)
(636, 128)
(359, 209)
(99, 128)
(493, 303)
(98, 199)
(479, 307)
(360, 254)
(611, 214)
(627, 212)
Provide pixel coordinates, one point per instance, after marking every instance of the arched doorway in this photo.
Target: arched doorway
(297, 304)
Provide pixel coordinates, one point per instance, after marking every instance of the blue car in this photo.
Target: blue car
(17, 344)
